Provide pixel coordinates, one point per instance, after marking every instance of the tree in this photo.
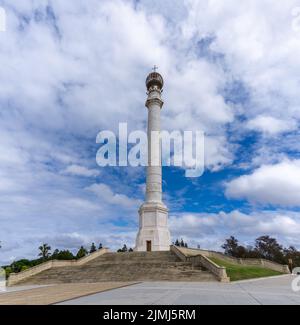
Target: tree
(265, 247)
(62, 255)
(251, 252)
(100, 246)
(180, 243)
(55, 254)
(232, 248)
(292, 257)
(8, 271)
(93, 248)
(81, 252)
(45, 251)
(18, 266)
(268, 248)
(123, 249)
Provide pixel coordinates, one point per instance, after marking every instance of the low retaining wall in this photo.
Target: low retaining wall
(243, 261)
(218, 271)
(179, 253)
(201, 260)
(275, 266)
(15, 278)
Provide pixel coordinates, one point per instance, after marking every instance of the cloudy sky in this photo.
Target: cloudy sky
(69, 69)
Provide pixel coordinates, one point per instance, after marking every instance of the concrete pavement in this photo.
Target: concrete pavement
(270, 291)
(46, 295)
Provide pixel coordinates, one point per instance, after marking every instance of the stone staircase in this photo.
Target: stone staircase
(133, 266)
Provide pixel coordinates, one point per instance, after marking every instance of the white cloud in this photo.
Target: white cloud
(107, 195)
(270, 125)
(218, 153)
(69, 92)
(280, 224)
(269, 184)
(259, 47)
(210, 229)
(81, 171)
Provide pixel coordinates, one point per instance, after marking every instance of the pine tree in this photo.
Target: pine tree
(81, 253)
(55, 254)
(93, 248)
(123, 249)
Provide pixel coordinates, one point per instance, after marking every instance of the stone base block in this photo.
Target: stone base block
(153, 233)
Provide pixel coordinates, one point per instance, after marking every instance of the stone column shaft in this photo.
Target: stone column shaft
(154, 169)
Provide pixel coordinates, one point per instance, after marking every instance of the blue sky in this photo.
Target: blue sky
(70, 69)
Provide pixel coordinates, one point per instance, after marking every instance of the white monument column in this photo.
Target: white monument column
(153, 232)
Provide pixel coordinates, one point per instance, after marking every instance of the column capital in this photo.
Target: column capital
(153, 101)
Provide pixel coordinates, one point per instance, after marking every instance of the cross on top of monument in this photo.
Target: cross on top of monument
(154, 68)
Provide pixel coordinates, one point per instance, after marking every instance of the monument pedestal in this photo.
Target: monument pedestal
(153, 233)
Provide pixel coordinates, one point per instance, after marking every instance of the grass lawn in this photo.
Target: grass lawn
(242, 272)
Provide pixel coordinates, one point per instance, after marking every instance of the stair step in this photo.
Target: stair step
(133, 266)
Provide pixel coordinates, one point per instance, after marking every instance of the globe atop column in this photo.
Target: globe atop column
(154, 81)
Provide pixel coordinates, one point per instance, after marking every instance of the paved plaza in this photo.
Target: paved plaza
(47, 295)
(271, 291)
(257, 292)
